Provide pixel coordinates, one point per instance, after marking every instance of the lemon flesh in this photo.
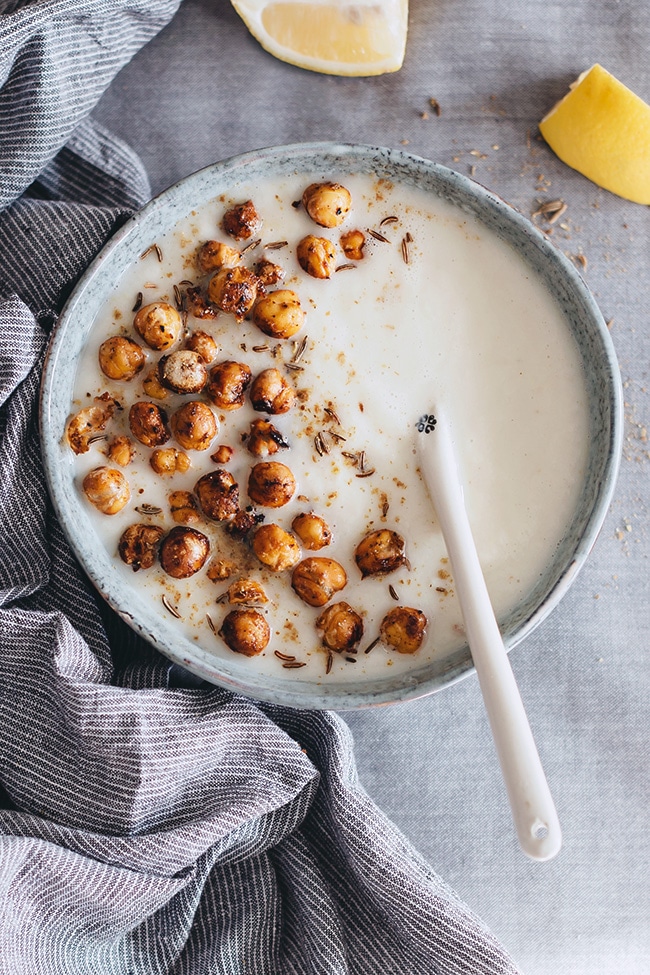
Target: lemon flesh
(363, 38)
(602, 129)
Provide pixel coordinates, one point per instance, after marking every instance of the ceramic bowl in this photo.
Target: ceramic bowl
(583, 319)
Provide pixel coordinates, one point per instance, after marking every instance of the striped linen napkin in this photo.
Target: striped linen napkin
(151, 824)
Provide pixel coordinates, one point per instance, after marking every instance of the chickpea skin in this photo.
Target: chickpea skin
(203, 344)
(194, 425)
(268, 273)
(121, 451)
(279, 314)
(159, 325)
(327, 203)
(276, 548)
(138, 545)
(107, 489)
(242, 221)
(218, 494)
(271, 484)
(227, 385)
(151, 385)
(317, 256)
(264, 439)
(121, 358)
(380, 552)
(213, 255)
(245, 631)
(167, 460)
(271, 393)
(183, 552)
(312, 530)
(246, 591)
(341, 627)
(352, 244)
(148, 424)
(198, 305)
(233, 290)
(316, 579)
(183, 371)
(403, 629)
(182, 507)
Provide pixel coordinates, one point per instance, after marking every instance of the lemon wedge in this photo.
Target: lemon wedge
(364, 37)
(602, 129)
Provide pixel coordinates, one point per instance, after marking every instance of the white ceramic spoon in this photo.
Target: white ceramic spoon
(533, 809)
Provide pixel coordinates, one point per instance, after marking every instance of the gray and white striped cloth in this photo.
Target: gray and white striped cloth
(150, 824)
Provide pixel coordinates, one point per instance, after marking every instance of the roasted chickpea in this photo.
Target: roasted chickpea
(246, 591)
(183, 371)
(222, 455)
(275, 548)
(198, 304)
(271, 393)
(228, 384)
(271, 484)
(218, 494)
(182, 507)
(159, 324)
(244, 521)
(316, 580)
(220, 569)
(245, 631)
(107, 489)
(263, 439)
(167, 460)
(194, 425)
(148, 424)
(279, 314)
(90, 422)
(312, 530)
(352, 244)
(138, 545)
(341, 627)
(380, 552)
(403, 629)
(268, 273)
(203, 344)
(327, 203)
(242, 221)
(121, 451)
(121, 358)
(213, 255)
(317, 256)
(184, 552)
(151, 385)
(233, 290)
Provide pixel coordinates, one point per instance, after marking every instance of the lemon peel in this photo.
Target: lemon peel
(359, 38)
(602, 129)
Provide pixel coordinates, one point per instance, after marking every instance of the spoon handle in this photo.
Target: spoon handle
(533, 809)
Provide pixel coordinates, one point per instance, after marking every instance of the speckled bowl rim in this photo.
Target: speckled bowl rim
(162, 213)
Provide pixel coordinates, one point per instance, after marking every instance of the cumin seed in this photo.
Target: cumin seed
(330, 661)
(170, 609)
(275, 245)
(178, 297)
(293, 664)
(388, 220)
(393, 592)
(371, 646)
(367, 473)
(260, 348)
(351, 660)
(299, 349)
(211, 624)
(251, 246)
(148, 509)
(378, 236)
(97, 438)
(330, 412)
(138, 302)
(284, 656)
(405, 251)
(345, 267)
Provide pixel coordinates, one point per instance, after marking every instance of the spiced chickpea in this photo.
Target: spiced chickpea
(263, 439)
(242, 221)
(184, 552)
(312, 530)
(223, 454)
(182, 507)
(317, 256)
(167, 461)
(183, 372)
(268, 273)
(352, 244)
(198, 304)
(218, 494)
(138, 545)
(245, 631)
(121, 358)
(276, 548)
(148, 424)
(271, 393)
(380, 552)
(89, 422)
(194, 425)
(316, 579)
(271, 484)
(227, 385)
(233, 290)
(121, 451)
(152, 387)
(327, 203)
(213, 255)
(203, 344)
(246, 591)
(107, 489)
(341, 627)
(403, 629)
(279, 314)
(243, 522)
(159, 325)
(220, 569)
